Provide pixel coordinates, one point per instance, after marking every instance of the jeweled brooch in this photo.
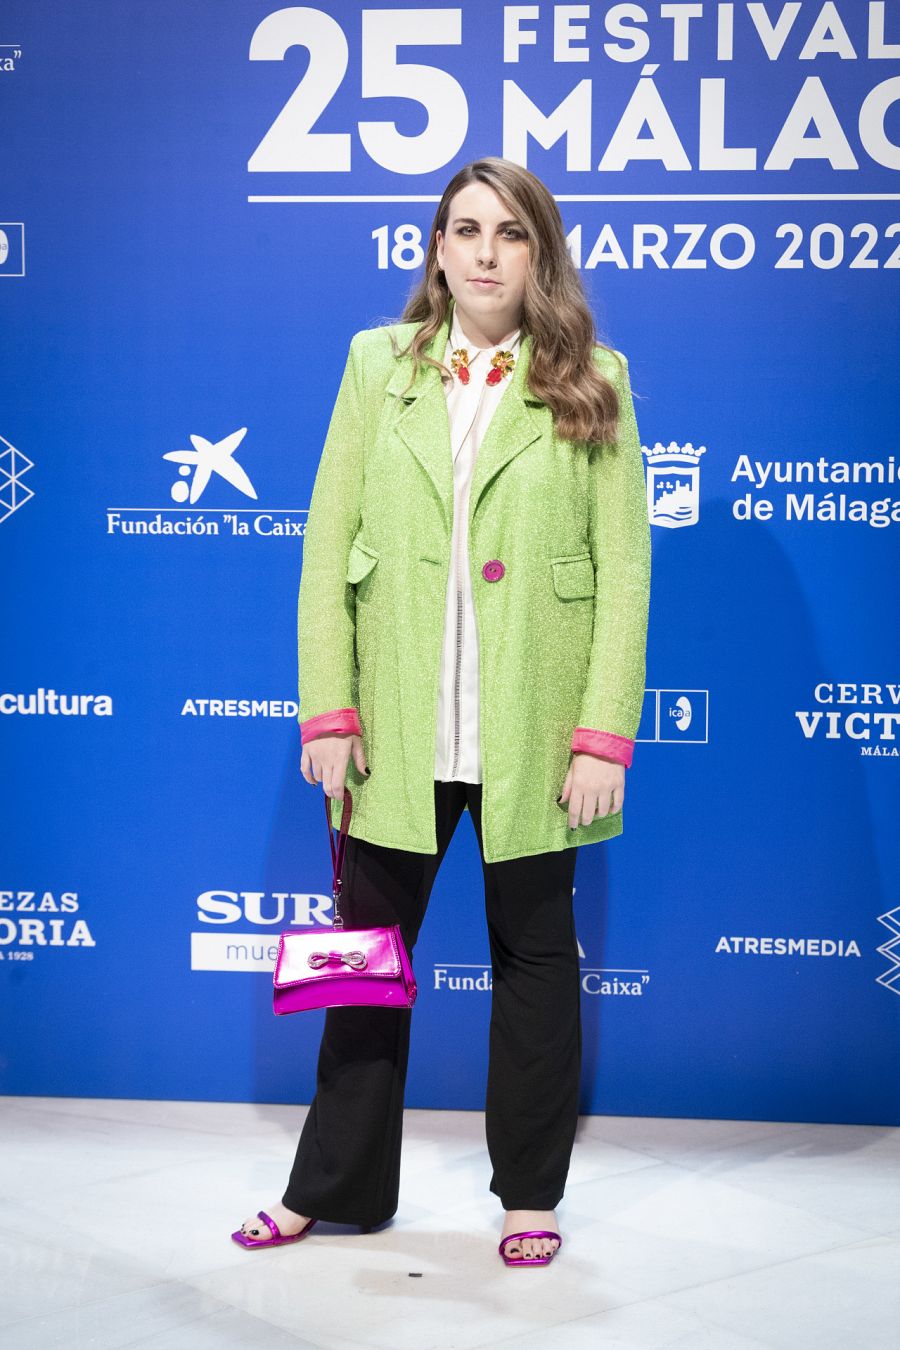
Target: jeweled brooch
(502, 363)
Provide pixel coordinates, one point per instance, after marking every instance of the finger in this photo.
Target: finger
(313, 761)
(359, 755)
(337, 772)
(567, 784)
(575, 803)
(305, 765)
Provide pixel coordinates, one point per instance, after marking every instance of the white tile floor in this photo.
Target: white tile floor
(725, 1235)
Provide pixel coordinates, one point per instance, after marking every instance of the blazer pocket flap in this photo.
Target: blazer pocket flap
(573, 578)
(360, 562)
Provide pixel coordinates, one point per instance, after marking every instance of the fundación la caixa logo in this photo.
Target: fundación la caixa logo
(209, 462)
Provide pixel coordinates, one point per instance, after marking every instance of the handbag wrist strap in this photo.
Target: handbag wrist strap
(337, 853)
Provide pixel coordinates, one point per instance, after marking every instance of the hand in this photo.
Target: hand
(325, 758)
(594, 786)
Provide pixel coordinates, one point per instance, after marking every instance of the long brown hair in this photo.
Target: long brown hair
(562, 370)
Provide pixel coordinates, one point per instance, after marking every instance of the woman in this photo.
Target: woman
(472, 625)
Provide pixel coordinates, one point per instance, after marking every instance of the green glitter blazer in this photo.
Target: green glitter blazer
(562, 634)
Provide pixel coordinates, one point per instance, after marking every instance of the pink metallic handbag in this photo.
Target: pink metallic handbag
(342, 966)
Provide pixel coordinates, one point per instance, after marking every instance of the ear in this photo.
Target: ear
(439, 241)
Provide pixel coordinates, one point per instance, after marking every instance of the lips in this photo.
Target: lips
(483, 281)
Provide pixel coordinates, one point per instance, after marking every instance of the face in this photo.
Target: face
(484, 256)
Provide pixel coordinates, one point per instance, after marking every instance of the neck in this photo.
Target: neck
(485, 333)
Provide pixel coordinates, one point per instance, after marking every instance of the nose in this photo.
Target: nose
(486, 252)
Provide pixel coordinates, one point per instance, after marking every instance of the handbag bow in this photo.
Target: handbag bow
(354, 959)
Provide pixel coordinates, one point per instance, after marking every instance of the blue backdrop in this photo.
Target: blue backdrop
(201, 203)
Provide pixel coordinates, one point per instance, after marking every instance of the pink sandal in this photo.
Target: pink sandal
(529, 1260)
(277, 1239)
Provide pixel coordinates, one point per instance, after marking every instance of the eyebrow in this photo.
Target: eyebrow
(468, 220)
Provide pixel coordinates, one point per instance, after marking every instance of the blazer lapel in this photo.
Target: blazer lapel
(513, 427)
(424, 424)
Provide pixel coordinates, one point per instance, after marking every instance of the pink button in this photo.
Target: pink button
(493, 570)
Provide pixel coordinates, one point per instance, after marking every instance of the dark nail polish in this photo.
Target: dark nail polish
(368, 770)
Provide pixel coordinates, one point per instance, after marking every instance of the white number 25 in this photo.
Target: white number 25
(290, 146)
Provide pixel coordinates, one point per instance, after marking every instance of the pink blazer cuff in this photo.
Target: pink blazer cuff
(330, 724)
(603, 743)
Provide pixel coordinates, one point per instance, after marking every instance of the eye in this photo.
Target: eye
(509, 231)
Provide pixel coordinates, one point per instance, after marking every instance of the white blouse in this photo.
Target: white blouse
(470, 407)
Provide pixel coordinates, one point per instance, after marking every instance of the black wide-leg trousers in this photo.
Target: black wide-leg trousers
(347, 1164)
